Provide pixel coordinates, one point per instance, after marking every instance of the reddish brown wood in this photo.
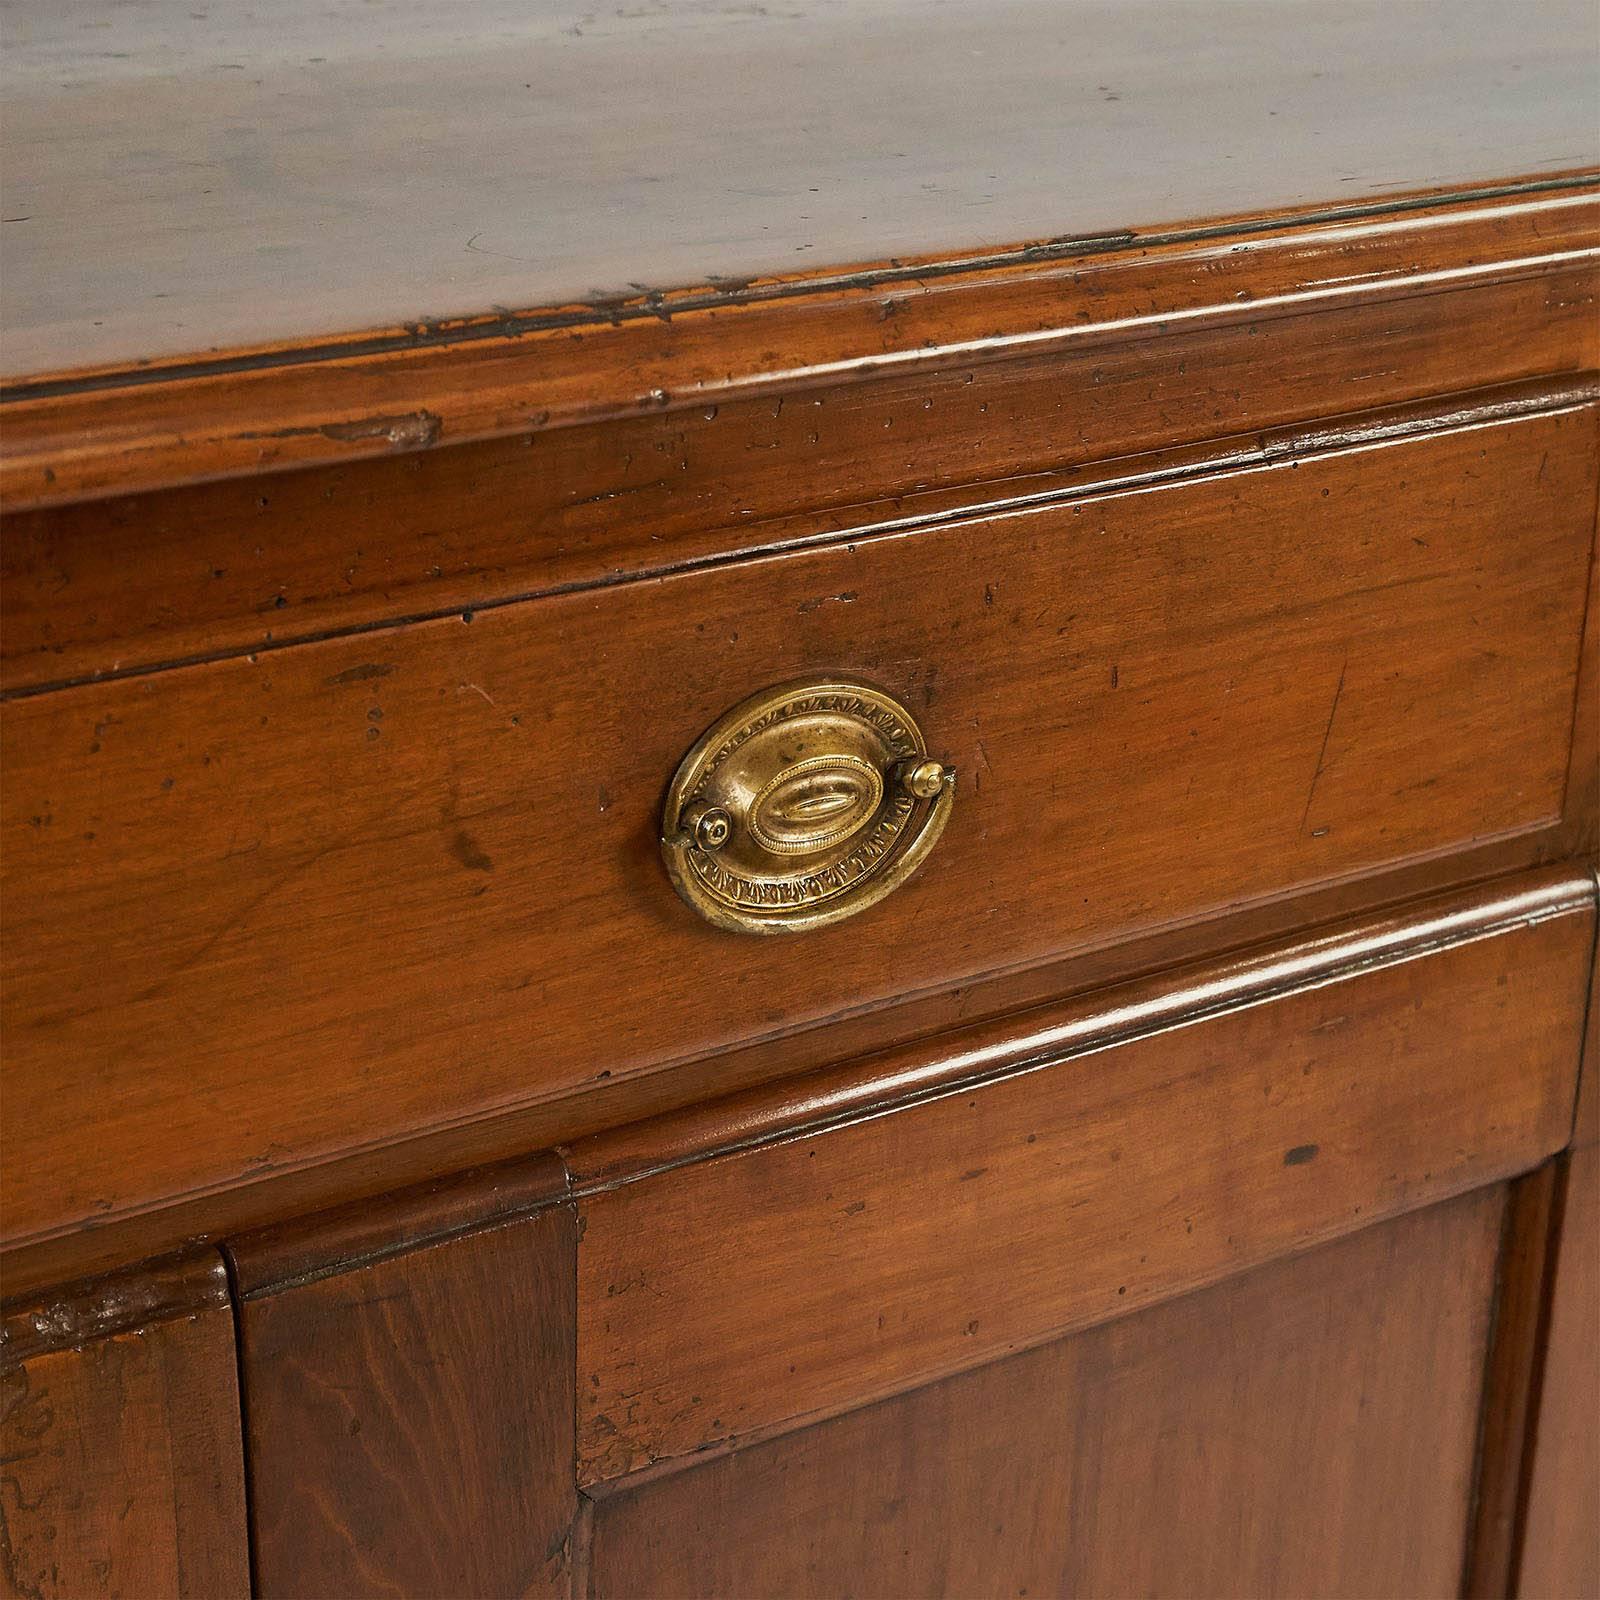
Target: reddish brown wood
(251, 563)
(119, 1430)
(408, 1385)
(1306, 1429)
(1509, 1395)
(249, 412)
(1583, 779)
(308, 905)
(1586, 1114)
(1097, 1019)
(1239, 565)
(896, 1247)
(1556, 1549)
(434, 1153)
(1559, 1546)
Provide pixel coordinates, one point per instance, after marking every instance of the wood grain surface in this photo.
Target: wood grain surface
(423, 422)
(1583, 772)
(260, 563)
(415, 388)
(896, 1246)
(1511, 1382)
(827, 1054)
(408, 1384)
(1558, 1548)
(119, 1430)
(294, 908)
(1560, 1543)
(1096, 1018)
(1306, 1429)
(329, 168)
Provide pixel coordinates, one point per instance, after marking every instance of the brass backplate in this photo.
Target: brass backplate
(803, 805)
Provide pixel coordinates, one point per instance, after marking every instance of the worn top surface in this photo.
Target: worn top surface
(183, 176)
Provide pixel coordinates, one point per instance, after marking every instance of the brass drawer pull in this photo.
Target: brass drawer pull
(803, 805)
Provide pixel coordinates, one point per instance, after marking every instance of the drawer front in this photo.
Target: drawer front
(746, 1268)
(279, 908)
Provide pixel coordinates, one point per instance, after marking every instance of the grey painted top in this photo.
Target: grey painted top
(187, 175)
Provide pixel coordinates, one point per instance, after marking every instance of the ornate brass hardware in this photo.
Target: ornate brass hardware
(803, 805)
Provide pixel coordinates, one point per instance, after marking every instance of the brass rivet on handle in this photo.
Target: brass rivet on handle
(709, 826)
(924, 779)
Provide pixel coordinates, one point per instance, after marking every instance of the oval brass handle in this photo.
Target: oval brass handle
(803, 805)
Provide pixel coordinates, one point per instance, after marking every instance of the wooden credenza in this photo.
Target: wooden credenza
(893, 895)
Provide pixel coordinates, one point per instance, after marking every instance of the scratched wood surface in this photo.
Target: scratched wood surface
(892, 1248)
(306, 904)
(119, 1429)
(1305, 1429)
(913, 1024)
(408, 1376)
(323, 168)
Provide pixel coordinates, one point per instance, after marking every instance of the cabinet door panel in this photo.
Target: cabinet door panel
(119, 1431)
(408, 1377)
(1304, 1429)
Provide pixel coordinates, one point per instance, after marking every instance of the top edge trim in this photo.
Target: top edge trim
(712, 295)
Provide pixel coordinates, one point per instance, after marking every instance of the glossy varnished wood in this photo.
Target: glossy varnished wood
(1558, 1544)
(119, 1430)
(421, 866)
(408, 1385)
(247, 564)
(1306, 1429)
(1230, 527)
(1097, 1017)
(1510, 1397)
(831, 1053)
(896, 1247)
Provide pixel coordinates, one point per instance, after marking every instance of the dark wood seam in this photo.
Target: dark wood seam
(247, 1459)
